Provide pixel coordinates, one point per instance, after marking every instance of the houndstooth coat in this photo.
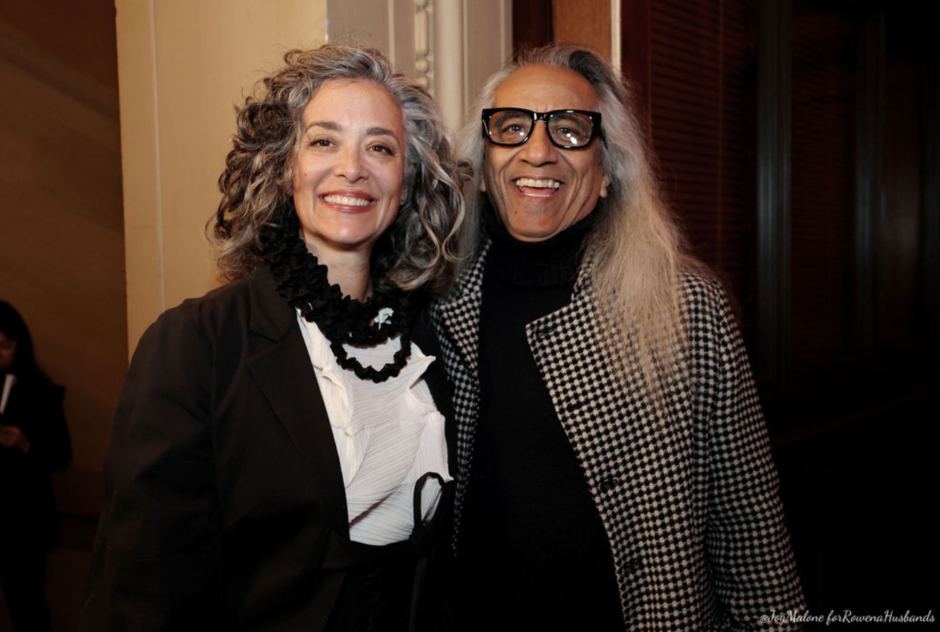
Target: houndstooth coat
(687, 494)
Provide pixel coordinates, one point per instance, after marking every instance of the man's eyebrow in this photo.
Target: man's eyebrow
(336, 127)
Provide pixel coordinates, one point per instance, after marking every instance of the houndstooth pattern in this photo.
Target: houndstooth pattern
(687, 491)
(456, 323)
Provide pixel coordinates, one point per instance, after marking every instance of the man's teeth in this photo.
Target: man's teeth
(342, 200)
(538, 184)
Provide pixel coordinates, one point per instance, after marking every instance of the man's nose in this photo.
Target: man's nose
(539, 150)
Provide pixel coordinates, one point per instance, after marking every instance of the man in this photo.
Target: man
(614, 470)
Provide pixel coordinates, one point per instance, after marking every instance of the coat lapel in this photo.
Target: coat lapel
(279, 362)
(591, 399)
(460, 317)
(457, 322)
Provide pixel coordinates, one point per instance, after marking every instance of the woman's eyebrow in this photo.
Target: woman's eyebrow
(336, 127)
(380, 131)
(330, 125)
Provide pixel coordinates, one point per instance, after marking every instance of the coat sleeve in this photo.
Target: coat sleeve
(747, 543)
(50, 447)
(159, 538)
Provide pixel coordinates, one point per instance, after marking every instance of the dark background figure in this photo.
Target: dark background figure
(33, 440)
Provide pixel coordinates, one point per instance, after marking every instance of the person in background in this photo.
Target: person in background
(278, 450)
(34, 440)
(613, 465)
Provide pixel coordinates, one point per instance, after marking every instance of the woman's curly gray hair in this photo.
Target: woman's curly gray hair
(420, 249)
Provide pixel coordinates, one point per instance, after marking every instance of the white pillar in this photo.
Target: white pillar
(449, 52)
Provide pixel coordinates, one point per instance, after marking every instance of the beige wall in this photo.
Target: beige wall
(61, 225)
(183, 66)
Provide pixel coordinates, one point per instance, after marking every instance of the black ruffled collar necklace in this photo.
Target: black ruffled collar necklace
(303, 283)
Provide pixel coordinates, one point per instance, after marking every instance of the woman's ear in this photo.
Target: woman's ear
(604, 184)
(482, 186)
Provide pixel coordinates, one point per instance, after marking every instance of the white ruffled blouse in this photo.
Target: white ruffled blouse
(387, 436)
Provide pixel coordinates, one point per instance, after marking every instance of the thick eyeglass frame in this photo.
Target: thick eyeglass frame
(595, 118)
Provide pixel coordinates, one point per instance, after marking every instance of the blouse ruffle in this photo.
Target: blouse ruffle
(387, 436)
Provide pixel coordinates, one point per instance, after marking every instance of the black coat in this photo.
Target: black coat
(224, 493)
(29, 517)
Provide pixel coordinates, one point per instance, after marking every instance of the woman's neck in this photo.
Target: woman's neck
(349, 270)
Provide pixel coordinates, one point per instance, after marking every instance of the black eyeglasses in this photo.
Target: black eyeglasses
(567, 129)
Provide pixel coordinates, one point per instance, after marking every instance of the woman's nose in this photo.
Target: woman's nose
(350, 165)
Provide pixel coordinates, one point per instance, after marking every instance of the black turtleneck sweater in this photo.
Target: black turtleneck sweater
(531, 538)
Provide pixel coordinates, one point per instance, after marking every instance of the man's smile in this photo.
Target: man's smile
(542, 187)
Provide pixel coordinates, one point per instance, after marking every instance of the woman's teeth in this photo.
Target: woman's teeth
(342, 200)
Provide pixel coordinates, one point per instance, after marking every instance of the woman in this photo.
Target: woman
(613, 467)
(33, 440)
(269, 447)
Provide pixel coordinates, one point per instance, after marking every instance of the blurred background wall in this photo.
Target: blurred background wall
(62, 237)
(62, 234)
(798, 142)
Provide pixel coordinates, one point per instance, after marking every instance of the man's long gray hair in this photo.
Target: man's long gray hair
(636, 250)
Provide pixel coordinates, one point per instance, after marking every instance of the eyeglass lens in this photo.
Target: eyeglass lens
(568, 129)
